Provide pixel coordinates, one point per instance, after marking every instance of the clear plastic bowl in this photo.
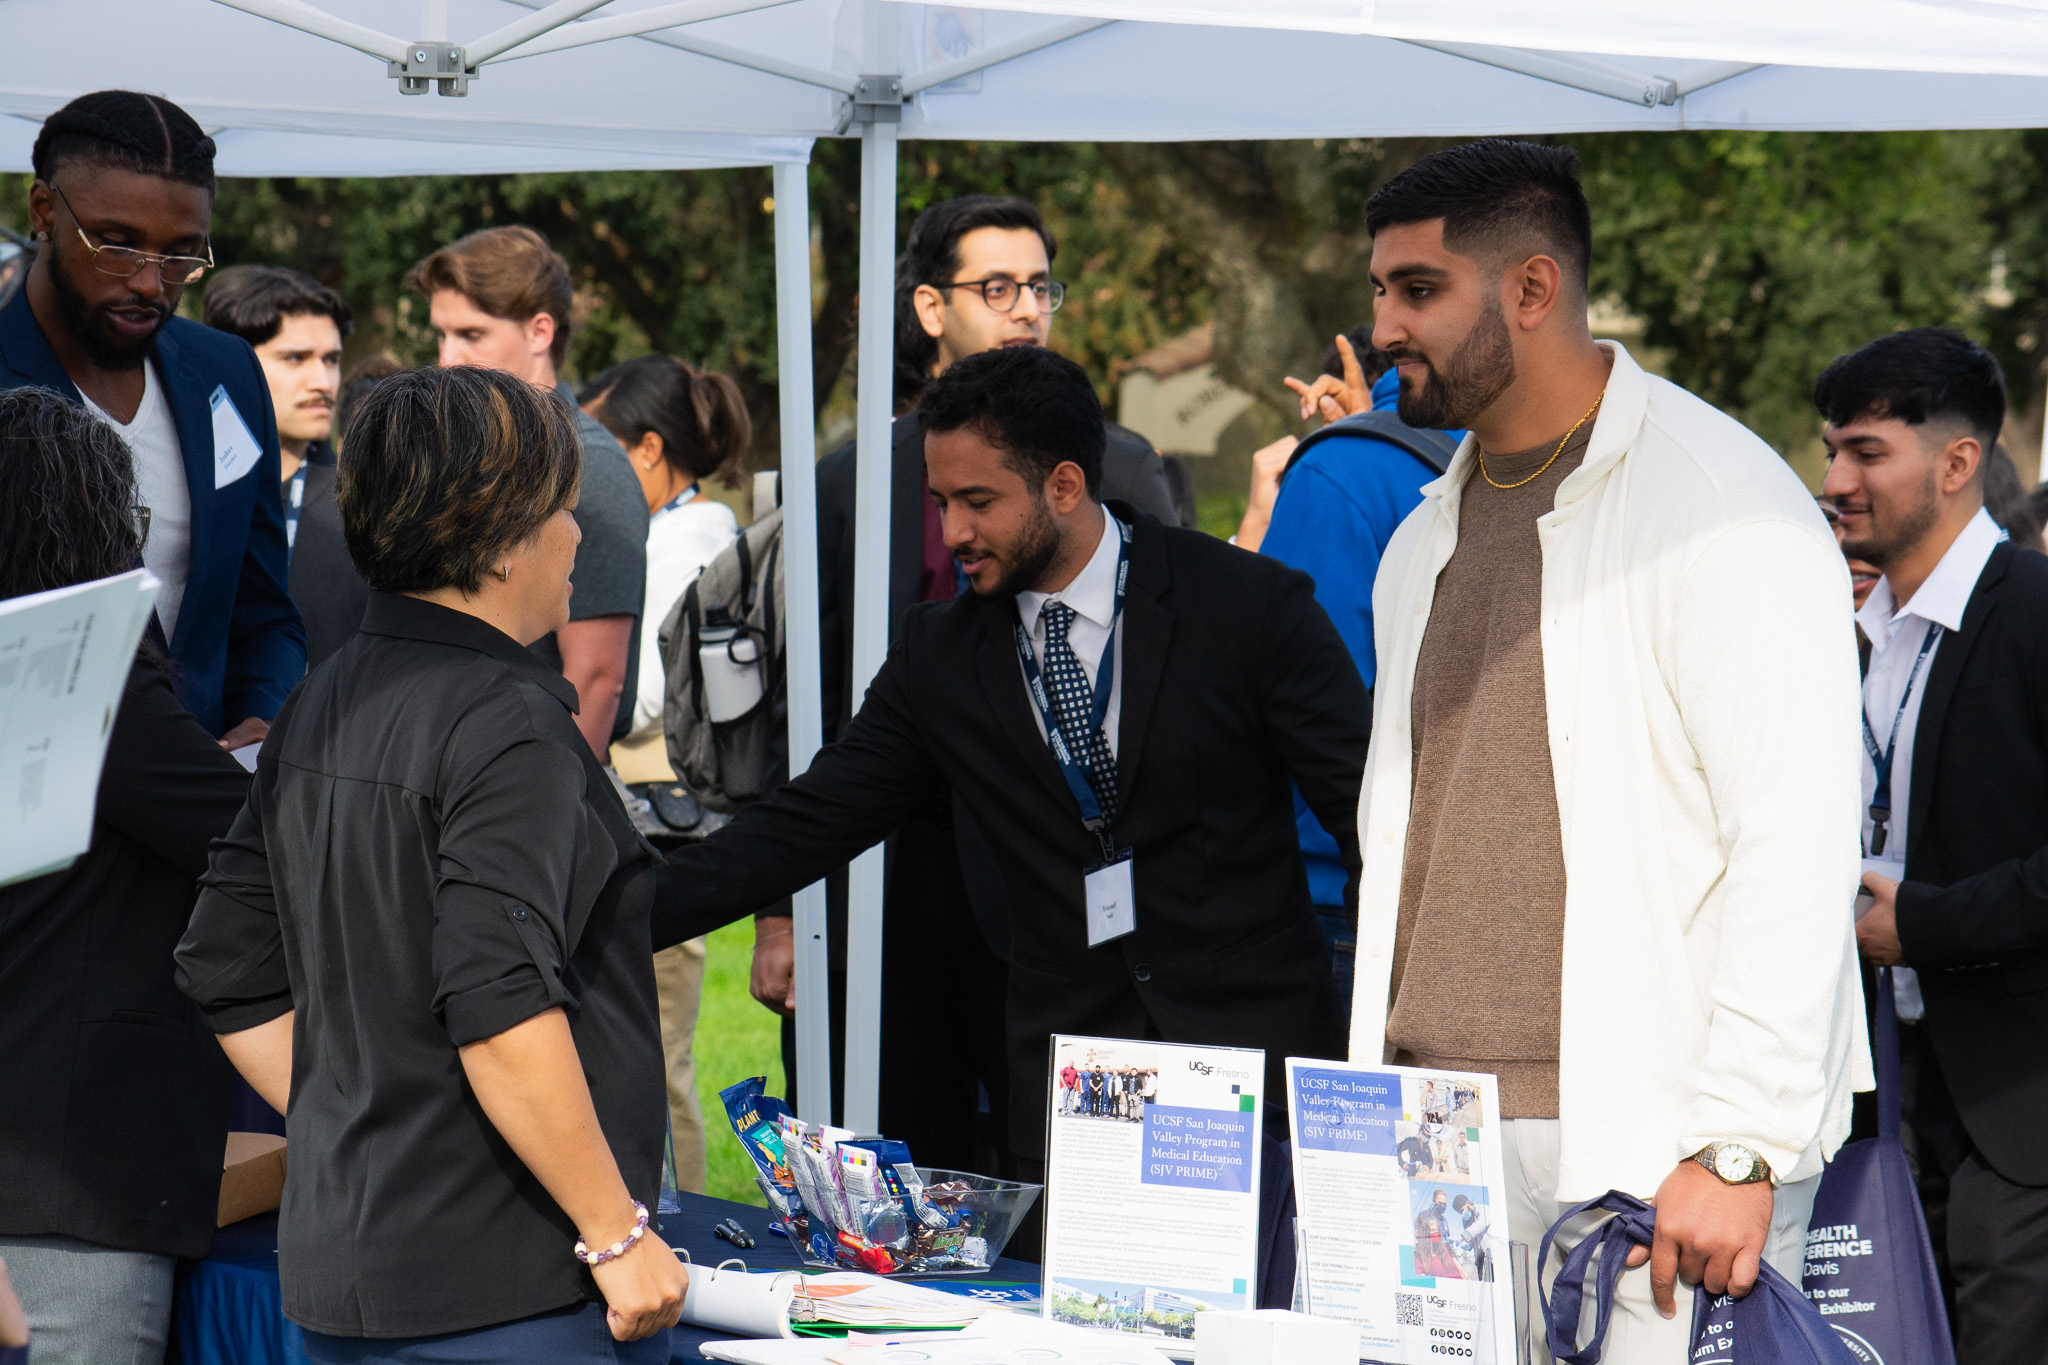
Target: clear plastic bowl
(991, 1209)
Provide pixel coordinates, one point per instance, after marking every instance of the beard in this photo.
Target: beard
(83, 316)
(1037, 545)
(1476, 374)
(1890, 541)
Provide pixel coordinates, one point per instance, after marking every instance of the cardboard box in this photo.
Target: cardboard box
(252, 1176)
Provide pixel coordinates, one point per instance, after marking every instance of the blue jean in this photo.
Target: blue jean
(576, 1335)
(91, 1305)
(1342, 936)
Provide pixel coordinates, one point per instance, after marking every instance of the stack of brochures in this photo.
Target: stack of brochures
(788, 1304)
(998, 1339)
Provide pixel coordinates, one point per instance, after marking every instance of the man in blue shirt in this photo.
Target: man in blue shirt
(1335, 509)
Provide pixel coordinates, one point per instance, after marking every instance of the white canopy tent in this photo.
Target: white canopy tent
(289, 88)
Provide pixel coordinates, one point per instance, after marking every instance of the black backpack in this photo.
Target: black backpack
(1433, 448)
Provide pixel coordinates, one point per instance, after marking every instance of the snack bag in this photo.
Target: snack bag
(756, 1118)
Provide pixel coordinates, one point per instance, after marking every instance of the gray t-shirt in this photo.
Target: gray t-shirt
(610, 576)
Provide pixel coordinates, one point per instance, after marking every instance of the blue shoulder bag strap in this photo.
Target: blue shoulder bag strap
(1433, 448)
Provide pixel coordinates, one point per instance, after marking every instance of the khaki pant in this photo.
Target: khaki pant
(679, 985)
(1636, 1335)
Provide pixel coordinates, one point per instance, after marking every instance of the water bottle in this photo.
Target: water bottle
(729, 662)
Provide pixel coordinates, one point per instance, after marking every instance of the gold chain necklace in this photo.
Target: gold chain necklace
(1553, 454)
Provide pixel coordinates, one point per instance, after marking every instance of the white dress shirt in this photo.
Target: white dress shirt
(160, 486)
(1092, 595)
(1896, 634)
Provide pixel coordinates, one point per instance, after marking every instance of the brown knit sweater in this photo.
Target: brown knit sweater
(1479, 941)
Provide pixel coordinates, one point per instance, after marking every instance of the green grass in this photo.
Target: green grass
(736, 1038)
(1219, 513)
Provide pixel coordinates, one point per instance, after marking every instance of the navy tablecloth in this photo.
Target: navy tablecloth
(226, 1309)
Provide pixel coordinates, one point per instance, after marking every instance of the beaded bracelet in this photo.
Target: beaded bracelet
(617, 1249)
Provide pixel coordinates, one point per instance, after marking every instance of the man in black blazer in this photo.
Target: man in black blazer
(1226, 681)
(1959, 875)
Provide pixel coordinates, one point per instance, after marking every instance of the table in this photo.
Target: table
(226, 1308)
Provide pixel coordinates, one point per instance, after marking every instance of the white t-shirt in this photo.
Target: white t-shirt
(681, 539)
(160, 486)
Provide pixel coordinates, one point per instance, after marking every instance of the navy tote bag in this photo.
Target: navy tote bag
(1869, 1267)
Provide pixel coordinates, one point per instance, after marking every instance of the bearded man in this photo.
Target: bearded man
(1120, 706)
(1608, 821)
(120, 208)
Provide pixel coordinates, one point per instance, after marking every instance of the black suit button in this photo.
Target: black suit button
(1142, 972)
(518, 912)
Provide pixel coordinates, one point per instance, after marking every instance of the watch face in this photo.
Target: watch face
(1733, 1164)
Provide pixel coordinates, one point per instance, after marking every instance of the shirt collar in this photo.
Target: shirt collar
(1945, 595)
(412, 618)
(1092, 593)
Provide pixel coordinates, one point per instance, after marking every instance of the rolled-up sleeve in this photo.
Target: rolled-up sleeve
(231, 961)
(511, 834)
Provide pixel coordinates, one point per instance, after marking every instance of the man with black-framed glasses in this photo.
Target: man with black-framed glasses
(120, 210)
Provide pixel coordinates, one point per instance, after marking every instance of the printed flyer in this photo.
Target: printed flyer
(1152, 1184)
(1399, 1189)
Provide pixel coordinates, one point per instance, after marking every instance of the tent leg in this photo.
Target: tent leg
(800, 588)
(871, 598)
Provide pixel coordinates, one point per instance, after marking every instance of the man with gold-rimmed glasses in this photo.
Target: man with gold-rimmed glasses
(120, 211)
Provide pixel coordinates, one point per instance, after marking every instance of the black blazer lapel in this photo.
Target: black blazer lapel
(1002, 683)
(1942, 677)
(1148, 628)
(192, 412)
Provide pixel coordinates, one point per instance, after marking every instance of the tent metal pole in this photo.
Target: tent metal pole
(1579, 73)
(434, 21)
(318, 22)
(800, 593)
(876, 393)
(634, 25)
(501, 40)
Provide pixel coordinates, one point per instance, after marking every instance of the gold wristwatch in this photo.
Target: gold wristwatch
(1732, 1163)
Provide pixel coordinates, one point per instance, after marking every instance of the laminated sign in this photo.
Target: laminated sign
(1400, 1195)
(1152, 1184)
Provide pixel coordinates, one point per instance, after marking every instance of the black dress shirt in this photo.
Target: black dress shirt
(113, 1096)
(430, 856)
(330, 594)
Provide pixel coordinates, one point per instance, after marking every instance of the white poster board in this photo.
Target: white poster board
(1400, 1193)
(64, 661)
(1152, 1184)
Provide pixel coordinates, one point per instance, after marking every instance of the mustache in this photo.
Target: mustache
(157, 306)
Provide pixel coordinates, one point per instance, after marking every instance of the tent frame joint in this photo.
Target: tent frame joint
(440, 64)
(875, 99)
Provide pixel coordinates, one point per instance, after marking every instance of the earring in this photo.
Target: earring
(504, 574)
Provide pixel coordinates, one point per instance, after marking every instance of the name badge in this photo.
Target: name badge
(235, 450)
(1112, 906)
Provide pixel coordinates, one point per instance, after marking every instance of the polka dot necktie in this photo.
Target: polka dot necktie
(1073, 702)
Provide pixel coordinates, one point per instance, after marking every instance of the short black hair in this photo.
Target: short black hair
(446, 469)
(1495, 195)
(129, 131)
(931, 255)
(1036, 407)
(1920, 375)
(252, 301)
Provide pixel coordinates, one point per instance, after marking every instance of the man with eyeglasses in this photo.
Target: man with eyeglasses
(975, 275)
(120, 209)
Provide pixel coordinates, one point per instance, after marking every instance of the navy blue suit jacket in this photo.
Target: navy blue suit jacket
(239, 647)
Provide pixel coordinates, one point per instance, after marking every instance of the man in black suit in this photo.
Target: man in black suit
(1955, 777)
(1224, 681)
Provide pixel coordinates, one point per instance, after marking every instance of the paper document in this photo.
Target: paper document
(1152, 1184)
(766, 1304)
(1400, 1196)
(64, 661)
(998, 1339)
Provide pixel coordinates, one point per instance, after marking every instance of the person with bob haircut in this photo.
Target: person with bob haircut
(116, 1103)
(428, 938)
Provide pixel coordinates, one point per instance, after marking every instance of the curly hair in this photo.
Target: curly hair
(67, 495)
(448, 469)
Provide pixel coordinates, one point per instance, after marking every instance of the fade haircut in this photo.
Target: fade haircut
(1920, 375)
(508, 272)
(448, 469)
(1498, 199)
(1036, 407)
(127, 131)
(252, 301)
(931, 255)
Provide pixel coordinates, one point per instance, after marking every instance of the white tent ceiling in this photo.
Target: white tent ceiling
(657, 84)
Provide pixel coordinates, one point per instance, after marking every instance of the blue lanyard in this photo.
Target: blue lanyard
(1881, 762)
(1076, 772)
(678, 500)
(294, 495)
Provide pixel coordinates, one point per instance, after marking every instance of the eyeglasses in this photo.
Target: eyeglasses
(122, 262)
(1001, 293)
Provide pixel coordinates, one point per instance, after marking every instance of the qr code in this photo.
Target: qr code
(1408, 1310)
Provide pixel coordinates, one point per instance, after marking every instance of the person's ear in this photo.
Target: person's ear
(1066, 486)
(1535, 288)
(929, 304)
(1962, 460)
(540, 333)
(647, 453)
(42, 209)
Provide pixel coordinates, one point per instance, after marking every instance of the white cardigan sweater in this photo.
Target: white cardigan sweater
(1700, 671)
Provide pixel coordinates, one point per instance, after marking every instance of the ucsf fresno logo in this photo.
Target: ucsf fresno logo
(1197, 1065)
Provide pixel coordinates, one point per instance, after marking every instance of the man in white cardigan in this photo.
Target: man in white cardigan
(1609, 815)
